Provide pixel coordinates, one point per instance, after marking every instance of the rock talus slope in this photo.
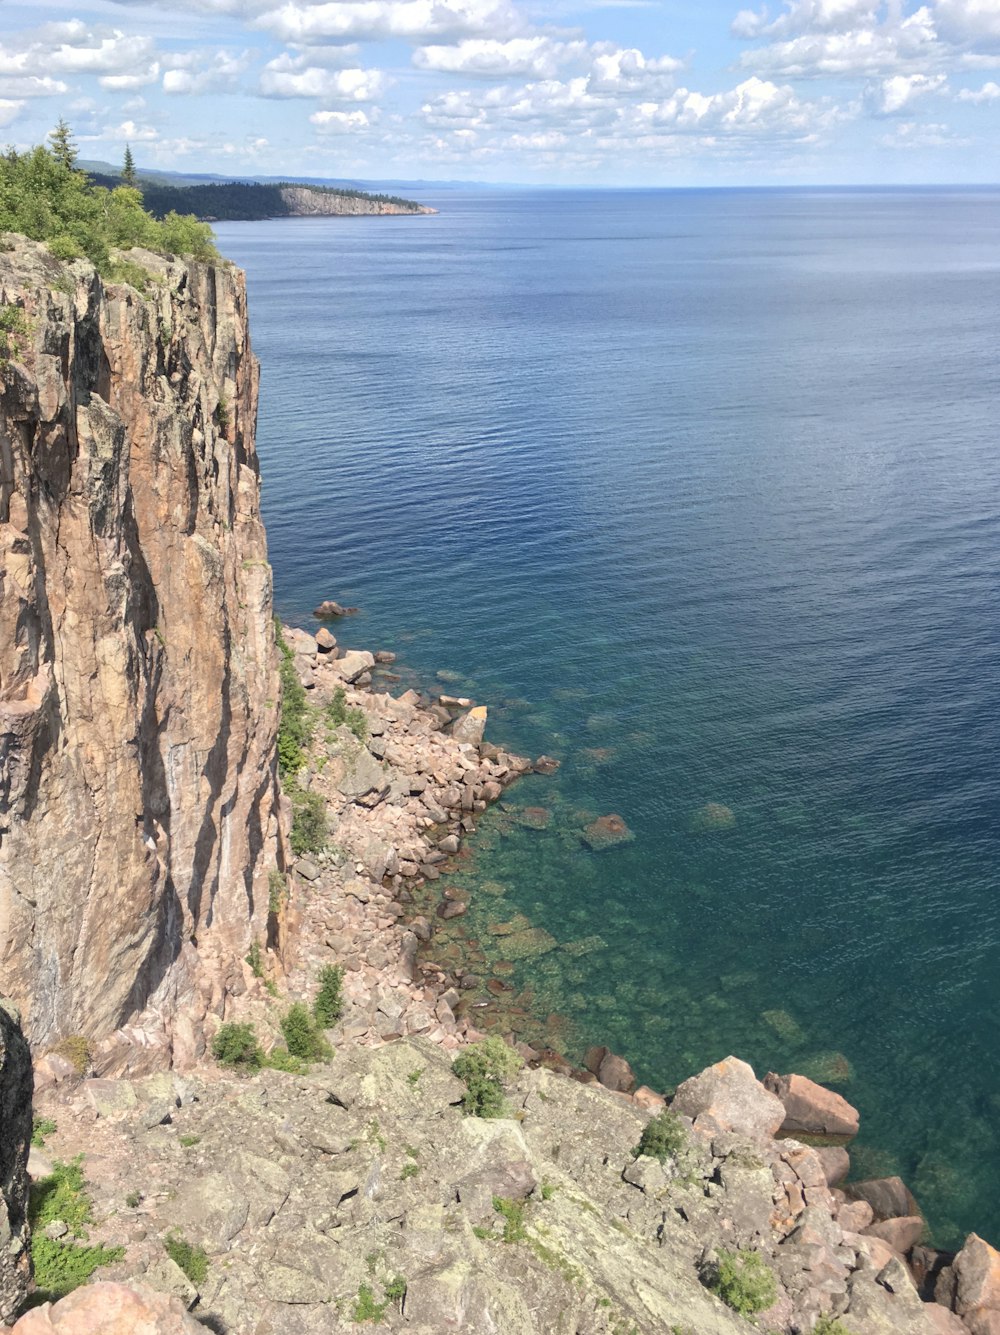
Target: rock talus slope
(138, 682)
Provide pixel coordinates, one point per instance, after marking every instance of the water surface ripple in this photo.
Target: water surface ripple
(701, 491)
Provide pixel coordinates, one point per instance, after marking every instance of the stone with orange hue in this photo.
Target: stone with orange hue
(649, 1100)
(977, 1276)
(812, 1110)
(110, 1309)
(901, 1233)
(729, 1097)
(606, 832)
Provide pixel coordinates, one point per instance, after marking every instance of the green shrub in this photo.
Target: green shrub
(192, 1260)
(13, 334)
(744, 1281)
(395, 1290)
(513, 1218)
(40, 1128)
(828, 1325)
(366, 1308)
(662, 1137)
(188, 1141)
(44, 197)
(280, 1059)
(63, 1264)
(308, 822)
(277, 889)
(303, 1038)
(76, 1050)
(329, 1004)
(295, 724)
(485, 1067)
(236, 1045)
(255, 959)
(133, 1200)
(338, 712)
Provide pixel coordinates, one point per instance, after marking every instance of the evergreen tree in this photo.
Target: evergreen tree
(63, 147)
(128, 169)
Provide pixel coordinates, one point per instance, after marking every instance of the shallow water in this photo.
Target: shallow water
(700, 491)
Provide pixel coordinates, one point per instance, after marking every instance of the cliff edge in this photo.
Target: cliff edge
(138, 680)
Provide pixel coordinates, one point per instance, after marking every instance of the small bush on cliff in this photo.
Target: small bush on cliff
(303, 1038)
(13, 334)
(329, 1004)
(485, 1067)
(744, 1281)
(337, 712)
(63, 1264)
(236, 1045)
(662, 1137)
(41, 1127)
(192, 1260)
(828, 1325)
(44, 197)
(295, 725)
(308, 833)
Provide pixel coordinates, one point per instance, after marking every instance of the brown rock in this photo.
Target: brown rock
(901, 1234)
(470, 727)
(545, 765)
(889, 1197)
(606, 832)
(615, 1073)
(329, 608)
(111, 1309)
(137, 656)
(983, 1321)
(384, 656)
(977, 1275)
(451, 908)
(856, 1217)
(325, 642)
(729, 1097)
(943, 1322)
(649, 1100)
(836, 1163)
(810, 1109)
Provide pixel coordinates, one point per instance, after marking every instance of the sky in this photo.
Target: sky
(603, 92)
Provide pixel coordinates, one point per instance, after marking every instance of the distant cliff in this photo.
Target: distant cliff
(138, 681)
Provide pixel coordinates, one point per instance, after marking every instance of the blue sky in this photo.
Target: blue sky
(625, 92)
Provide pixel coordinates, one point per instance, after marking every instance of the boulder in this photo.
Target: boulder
(615, 1073)
(812, 1110)
(977, 1278)
(901, 1234)
(470, 727)
(943, 1322)
(545, 765)
(729, 1097)
(836, 1163)
(325, 642)
(329, 608)
(354, 664)
(889, 1197)
(15, 1139)
(606, 832)
(111, 1309)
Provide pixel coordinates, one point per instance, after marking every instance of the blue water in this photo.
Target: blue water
(700, 491)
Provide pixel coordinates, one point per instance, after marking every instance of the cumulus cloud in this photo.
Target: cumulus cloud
(9, 110)
(989, 92)
(32, 85)
(118, 60)
(860, 51)
(834, 16)
(912, 135)
(895, 94)
(350, 85)
(538, 57)
(341, 122)
(205, 71)
(974, 21)
(373, 20)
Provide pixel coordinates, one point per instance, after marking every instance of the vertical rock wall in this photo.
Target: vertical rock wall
(138, 682)
(15, 1138)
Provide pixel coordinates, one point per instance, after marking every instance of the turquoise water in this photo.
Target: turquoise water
(700, 491)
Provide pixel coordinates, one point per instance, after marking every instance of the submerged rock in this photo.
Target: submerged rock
(606, 832)
(713, 816)
(329, 608)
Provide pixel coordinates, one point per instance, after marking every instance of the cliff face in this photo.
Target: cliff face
(15, 1137)
(305, 203)
(138, 683)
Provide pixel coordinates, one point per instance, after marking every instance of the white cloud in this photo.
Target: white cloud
(899, 91)
(989, 92)
(912, 135)
(975, 21)
(205, 72)
(372, 20)
(807, 16)
(32, 85)
(325, 57)
(628, 70)
(861, 51)
(340, 122)
(120, 61)
(132, 132)
(350, 85)
(538, 57)
(9, 110)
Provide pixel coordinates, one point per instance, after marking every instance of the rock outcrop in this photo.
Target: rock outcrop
(110, 1309)
(303, 202)
(138, 681)
(15, 1138)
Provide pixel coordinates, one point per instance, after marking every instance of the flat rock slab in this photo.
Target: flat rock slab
(812, 1110)
(729, 1097)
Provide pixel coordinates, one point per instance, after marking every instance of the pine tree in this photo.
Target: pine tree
(128, 169)
(63, 147)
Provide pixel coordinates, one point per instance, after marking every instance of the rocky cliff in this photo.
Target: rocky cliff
(138, 681)
(15, 1135)
(303, 202)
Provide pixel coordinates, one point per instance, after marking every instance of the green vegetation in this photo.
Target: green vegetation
(367, 1309)
(744, 1281)
(192, 1260)
(188, 1141)
(548, 1191)
(43, 196)
(236, 1045)
(308, 833)
(329, 1004)
(280, 1059)
(40, 1128)
(828, 1325)
(513, 1218)
(133, 1200)
(128, 169)
(662, 1137)
(255, 959)
(303, 1038)
(337, 713)
(76, 1050)
(485, 1067)
(295, 727)
(63, 1264)
(414, 1077)
(277, 890)
(13, 332)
